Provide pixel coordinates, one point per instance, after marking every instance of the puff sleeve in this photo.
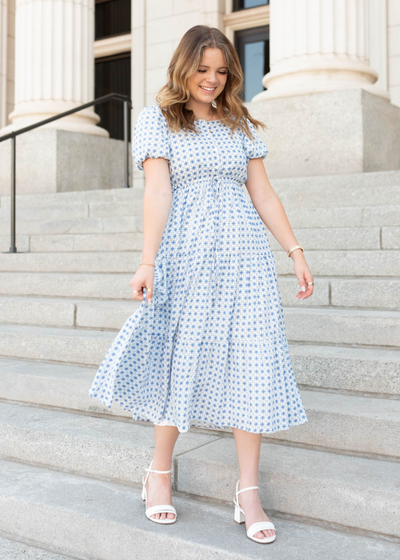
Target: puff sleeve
(253, 148)
(150, 136)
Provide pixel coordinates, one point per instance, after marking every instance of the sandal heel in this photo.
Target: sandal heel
(238, 515)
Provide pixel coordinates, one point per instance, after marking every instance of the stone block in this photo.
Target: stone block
(51, 160)
(328, 133)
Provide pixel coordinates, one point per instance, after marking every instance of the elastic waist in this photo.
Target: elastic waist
(214, 182)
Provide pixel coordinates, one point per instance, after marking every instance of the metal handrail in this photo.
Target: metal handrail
(13, 135)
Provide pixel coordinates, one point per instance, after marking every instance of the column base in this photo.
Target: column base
(85, 121)
(328, 133)
(51, 160)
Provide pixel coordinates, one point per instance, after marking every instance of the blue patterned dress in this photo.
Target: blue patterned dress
(211, 350)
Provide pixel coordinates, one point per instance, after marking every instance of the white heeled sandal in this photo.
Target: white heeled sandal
(239, 517)
(157, 509)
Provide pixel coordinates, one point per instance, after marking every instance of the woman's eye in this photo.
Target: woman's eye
(202, 71)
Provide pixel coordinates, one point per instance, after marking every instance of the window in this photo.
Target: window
(112, 17)
(252, 46)
(245, 4)
(112, 75)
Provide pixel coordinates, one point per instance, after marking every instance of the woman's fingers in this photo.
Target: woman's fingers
(149, 294)
(137, 291)
(306, 289)
(142, 291)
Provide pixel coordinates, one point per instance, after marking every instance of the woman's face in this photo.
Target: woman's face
(209, 81)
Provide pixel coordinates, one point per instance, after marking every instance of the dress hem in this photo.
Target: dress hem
(205, 425)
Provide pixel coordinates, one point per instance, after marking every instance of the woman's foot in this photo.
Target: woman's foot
(250, 502)
(158, 488)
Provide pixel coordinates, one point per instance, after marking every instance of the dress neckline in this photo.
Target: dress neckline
(212, 120)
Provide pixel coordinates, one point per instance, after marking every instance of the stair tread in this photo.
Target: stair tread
(335, 402)
(298, 348)
(125, 303)
(21, 416)
(96, 508)
(16, 550)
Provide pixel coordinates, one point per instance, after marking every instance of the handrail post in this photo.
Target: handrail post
(126, 141)
(13, 135)
(13, 248)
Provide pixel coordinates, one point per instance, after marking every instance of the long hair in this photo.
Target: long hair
(185, 61)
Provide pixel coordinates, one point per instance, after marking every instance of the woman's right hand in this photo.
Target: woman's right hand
(143, 278)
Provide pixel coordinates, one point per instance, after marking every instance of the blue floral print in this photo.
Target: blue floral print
(211, 350)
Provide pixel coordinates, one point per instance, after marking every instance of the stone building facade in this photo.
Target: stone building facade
(324, 55)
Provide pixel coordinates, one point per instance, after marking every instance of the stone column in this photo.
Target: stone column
(3, 62)
(54, 66)
(319, 46)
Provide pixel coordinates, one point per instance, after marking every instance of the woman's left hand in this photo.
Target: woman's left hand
(303, 275)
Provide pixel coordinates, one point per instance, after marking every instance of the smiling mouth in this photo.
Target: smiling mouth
(210, 90)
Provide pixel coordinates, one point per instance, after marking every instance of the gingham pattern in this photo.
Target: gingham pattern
(211, 350)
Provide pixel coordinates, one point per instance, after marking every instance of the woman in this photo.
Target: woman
(207, 346)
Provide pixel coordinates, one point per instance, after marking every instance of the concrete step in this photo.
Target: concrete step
(344, 238)
(73, 197)
(354, 492)
(111, 224)
(365, 370)
(327, 325)
(339, 238)
(360, 370)
(312, 238)
(337, 292)
(46, 506)
(337, 217)
(371, 218)
(78, 346)
(341, 422)
(22, 242)
(15, 550)
(133, 207)
(39, 213)
(343, 326)
(322, 263)
(205, 465)
(77, 242)
(366, 238)
(353, 189)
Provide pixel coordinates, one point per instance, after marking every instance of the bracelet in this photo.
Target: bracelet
(293, 249)
(148, 264)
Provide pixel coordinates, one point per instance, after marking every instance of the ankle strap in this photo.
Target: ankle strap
(153, 470)
(248, 488)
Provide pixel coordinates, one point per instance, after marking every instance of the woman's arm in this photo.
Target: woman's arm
(270, 209)
(157, 201)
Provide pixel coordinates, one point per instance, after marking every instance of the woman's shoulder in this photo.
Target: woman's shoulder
(151, 116)
(152, 110)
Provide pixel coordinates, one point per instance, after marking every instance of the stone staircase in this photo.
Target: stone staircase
(70, 468)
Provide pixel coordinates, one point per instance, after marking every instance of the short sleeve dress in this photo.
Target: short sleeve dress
(211, 350)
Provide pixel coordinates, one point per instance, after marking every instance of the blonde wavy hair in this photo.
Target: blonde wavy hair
(185, 61)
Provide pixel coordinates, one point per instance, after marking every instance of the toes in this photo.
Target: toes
(263, 534)
(163, 515)
(268, 533)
